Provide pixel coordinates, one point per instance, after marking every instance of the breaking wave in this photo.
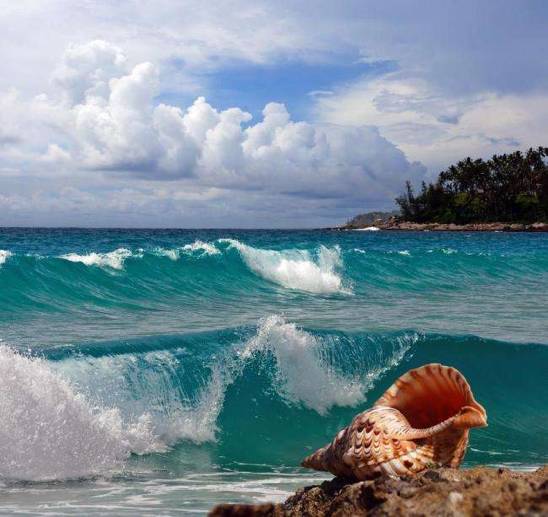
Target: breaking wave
(77, 412)
(82, 410)
(295, 269)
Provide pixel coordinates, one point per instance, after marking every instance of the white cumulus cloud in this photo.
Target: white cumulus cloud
(105, 117)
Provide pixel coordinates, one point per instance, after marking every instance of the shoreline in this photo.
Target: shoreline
(475, 492)
(449, 227)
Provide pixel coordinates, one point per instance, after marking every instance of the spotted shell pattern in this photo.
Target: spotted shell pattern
(421, 421)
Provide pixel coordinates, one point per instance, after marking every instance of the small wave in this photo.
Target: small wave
(113, 259)
(197, 247)
(295, 269)
(4, 255)
(445, 251)
(368, 229)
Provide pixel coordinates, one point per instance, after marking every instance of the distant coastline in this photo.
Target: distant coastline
(508, 193)
(395, 224)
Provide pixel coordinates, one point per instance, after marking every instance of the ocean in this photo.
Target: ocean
(162, 371)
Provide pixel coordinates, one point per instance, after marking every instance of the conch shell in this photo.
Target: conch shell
(421, 421)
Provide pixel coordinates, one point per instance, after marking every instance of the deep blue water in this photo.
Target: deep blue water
(161, 371)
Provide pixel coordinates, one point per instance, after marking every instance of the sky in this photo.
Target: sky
(263, 114)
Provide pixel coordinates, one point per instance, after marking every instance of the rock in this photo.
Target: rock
(479, 491)
(472, 227)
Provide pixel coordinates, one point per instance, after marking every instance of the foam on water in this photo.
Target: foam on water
(201, 246)
(172, 254)
(113, 259)
(49, 431)
(197, 247)
(4, 255)
(295, 269)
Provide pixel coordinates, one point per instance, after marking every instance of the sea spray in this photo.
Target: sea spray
(49, 431)
(301, 374)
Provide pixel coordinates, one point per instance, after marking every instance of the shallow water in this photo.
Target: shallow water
(164, 371)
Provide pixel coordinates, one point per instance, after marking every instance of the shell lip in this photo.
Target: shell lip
(405, 396)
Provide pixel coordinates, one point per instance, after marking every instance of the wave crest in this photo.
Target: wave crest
(301, 373)
(295, 269)
(113, 259)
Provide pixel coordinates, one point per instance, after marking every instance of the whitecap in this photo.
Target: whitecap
(113, 259)
(200, 246)
(4, 255)
(172, 254)
(295, 269)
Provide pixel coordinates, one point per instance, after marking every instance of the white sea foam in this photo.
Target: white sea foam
(4, 255)
(200, 246)
(172, 254)
(113, 259)
(295, 269)
(48, 431)
(405, 253)
(368, 229)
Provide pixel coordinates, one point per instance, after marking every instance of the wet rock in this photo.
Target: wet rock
(443, 492)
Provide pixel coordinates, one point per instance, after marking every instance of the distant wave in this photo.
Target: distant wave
(4, 255)
(226, 268)
(295, 269)
(200, 246)
(197, 247)
(114, 259)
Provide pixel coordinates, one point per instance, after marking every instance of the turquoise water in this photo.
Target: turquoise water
(156, 371)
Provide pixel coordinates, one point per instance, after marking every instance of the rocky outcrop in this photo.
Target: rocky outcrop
(371, 219)
(395, 224)
(479, 491)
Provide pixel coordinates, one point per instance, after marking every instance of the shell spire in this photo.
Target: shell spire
(422, 420)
